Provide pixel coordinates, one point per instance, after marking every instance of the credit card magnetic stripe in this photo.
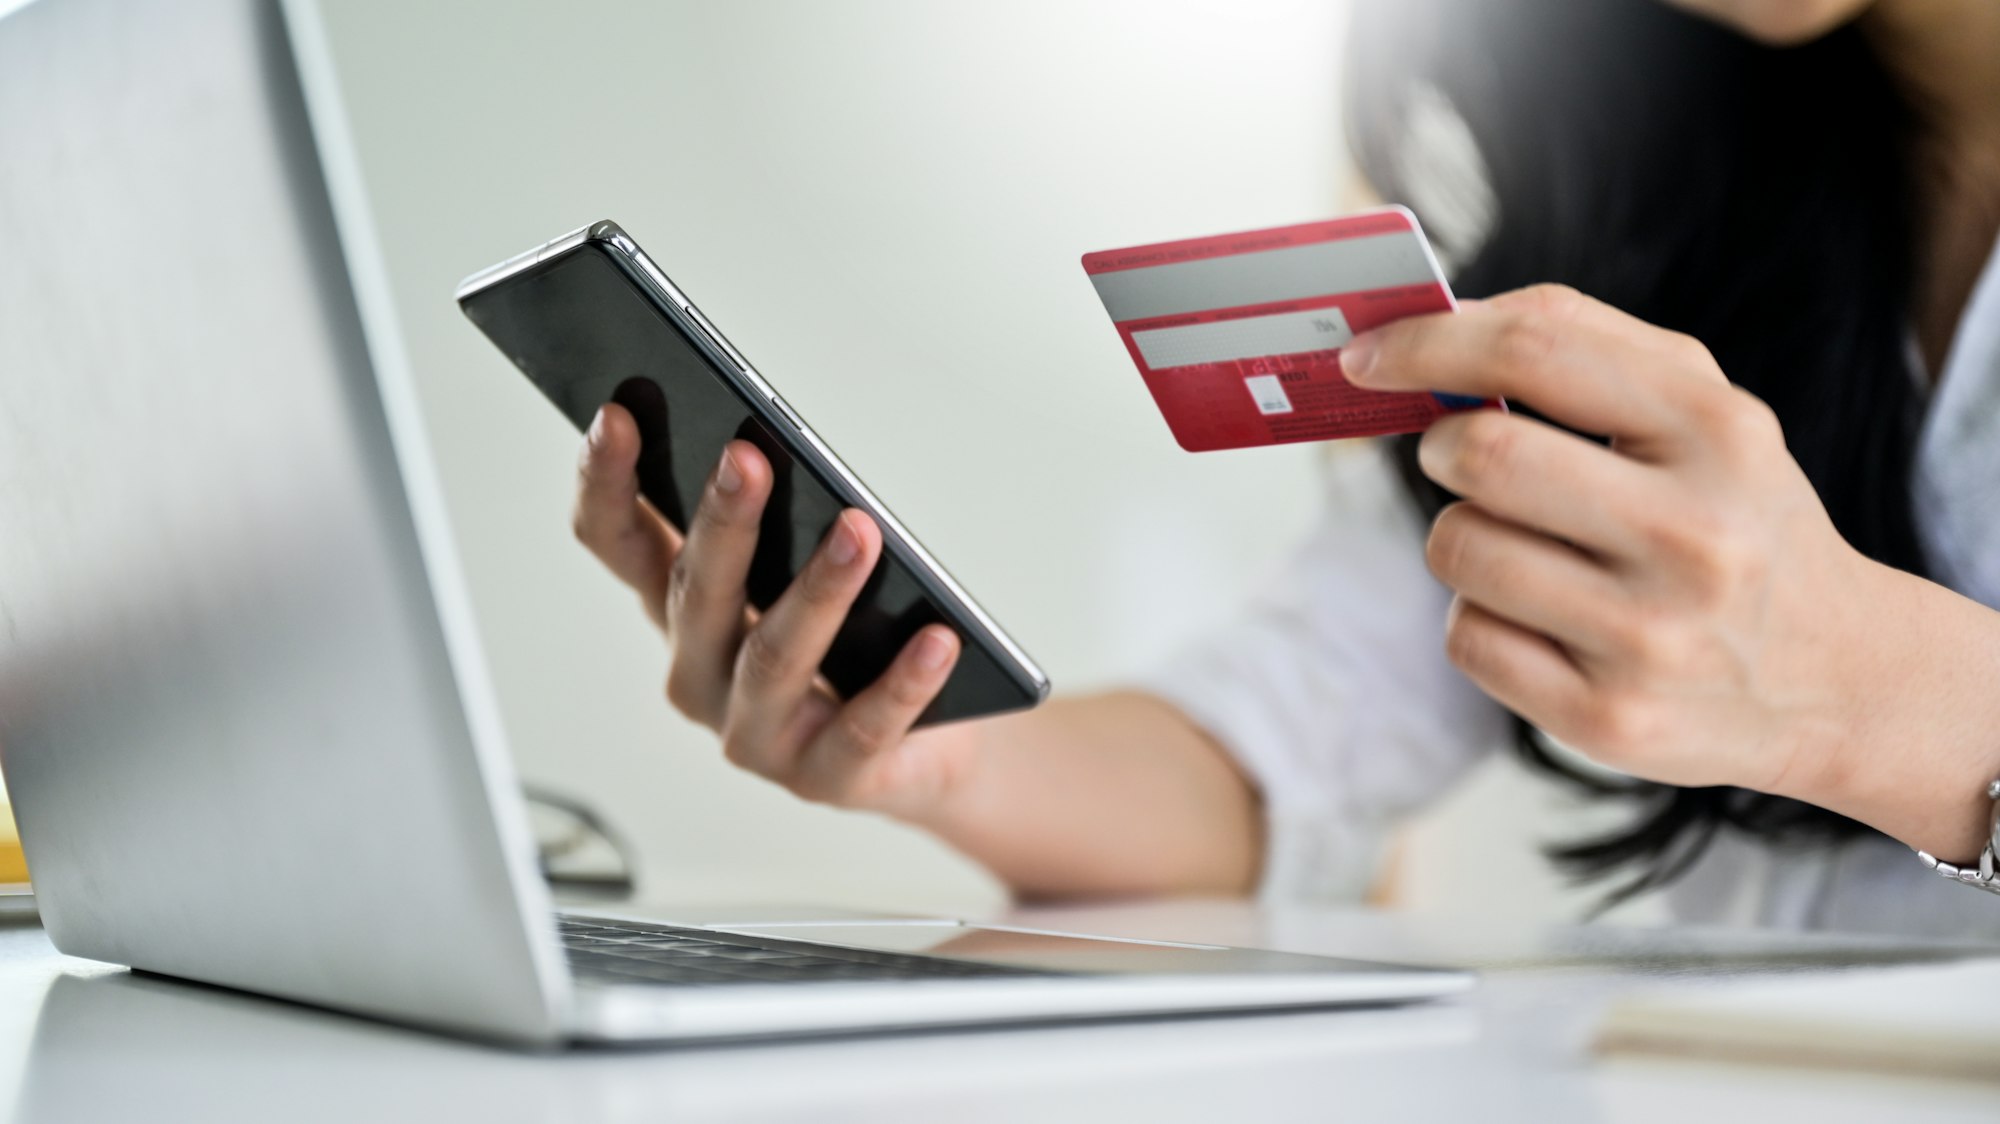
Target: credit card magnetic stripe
(1346, 265)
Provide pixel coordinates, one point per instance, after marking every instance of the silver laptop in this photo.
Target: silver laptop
(243, 714)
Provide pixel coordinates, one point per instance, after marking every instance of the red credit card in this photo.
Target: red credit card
(1239, 336)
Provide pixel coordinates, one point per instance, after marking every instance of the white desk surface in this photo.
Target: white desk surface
(82, 1042)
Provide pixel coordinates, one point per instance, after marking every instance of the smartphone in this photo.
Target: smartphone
(590, 319)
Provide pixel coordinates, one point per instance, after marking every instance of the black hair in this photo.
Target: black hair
(1756, 198)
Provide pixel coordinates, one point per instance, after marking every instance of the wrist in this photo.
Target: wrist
(1916, 741)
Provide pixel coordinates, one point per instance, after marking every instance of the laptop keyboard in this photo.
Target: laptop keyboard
(626, 952)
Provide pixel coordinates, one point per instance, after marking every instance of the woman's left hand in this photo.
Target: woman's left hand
(1676, 603)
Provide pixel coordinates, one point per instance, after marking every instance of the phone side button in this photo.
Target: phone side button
(702, 328)
(790, 414)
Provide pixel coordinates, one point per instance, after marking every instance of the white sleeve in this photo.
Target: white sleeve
(1332, 689)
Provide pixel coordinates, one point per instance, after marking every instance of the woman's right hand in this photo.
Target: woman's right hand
(753, 677)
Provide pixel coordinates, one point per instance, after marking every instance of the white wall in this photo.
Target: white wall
(883, 203)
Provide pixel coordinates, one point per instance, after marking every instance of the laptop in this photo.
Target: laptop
(243, 713)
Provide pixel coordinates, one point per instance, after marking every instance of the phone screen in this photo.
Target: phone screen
(585, 334)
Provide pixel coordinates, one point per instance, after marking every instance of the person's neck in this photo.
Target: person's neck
(1945, 55)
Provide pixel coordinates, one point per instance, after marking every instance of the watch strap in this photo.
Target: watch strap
(1983, 874)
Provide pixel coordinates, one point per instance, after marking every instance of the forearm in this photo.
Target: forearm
(1925, 737)
(1104, 795)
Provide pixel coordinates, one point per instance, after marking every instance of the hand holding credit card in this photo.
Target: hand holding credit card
(1238, 336)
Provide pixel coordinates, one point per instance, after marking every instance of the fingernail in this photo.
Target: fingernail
(933, 649)
(1357, 359)
(845, 547)
(595, 434)
(728, 478)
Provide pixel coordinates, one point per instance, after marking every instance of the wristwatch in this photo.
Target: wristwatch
(1982, 875)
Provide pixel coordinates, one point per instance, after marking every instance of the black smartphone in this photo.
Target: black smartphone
(590, 319)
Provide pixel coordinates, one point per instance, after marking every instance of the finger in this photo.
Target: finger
(1526, 578)
(1575, 360)
(1522, 670)
(1529, 472)
(879, 718)
(780, 655)
(610, 519)
(704, 605)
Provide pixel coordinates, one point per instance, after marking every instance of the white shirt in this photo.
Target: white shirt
(1333, 691)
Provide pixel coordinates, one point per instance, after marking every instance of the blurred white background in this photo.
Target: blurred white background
(883, 203)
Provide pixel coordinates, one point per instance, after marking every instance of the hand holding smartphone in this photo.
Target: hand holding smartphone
(589, 319)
